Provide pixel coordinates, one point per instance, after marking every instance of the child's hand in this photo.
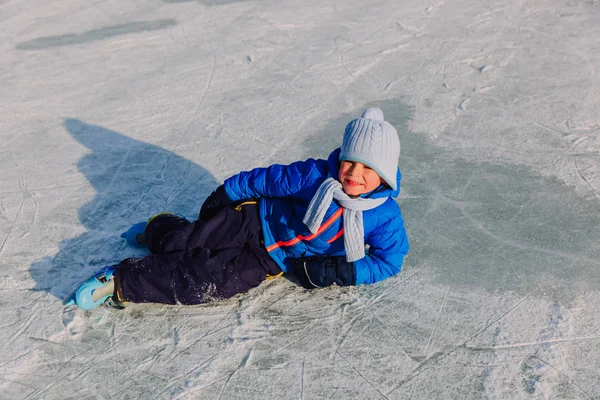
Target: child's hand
(214, 203)
(322, 271)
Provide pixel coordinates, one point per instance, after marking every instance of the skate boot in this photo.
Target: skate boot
(114, 303)
(135, 235)
(84, 295)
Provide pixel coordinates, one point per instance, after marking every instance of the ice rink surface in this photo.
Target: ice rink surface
(111, 111)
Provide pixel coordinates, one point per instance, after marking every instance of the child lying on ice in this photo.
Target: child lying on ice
(311, 218)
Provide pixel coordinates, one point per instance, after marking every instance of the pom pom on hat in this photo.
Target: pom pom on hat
(374, 113)
(372, 141)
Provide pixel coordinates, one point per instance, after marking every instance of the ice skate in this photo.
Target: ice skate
(95, 291)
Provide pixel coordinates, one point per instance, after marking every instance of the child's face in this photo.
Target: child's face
(357, 178)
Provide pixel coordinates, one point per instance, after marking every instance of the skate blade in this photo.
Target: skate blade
(70, 301)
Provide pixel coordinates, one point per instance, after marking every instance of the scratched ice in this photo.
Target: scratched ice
(110, 114)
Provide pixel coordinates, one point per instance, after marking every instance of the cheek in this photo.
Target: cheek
(373, 178)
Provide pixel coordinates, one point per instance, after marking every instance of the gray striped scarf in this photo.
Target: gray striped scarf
(354, 231)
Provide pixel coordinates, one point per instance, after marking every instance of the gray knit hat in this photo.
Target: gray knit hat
(374, 142)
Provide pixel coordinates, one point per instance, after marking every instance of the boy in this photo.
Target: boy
(312, 218)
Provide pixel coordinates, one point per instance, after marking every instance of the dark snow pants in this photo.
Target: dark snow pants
(198, 262)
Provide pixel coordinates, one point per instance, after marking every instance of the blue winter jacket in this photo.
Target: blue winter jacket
(285, 192)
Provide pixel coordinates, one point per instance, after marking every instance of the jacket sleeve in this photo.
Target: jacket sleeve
(388, 246)
(276, 180)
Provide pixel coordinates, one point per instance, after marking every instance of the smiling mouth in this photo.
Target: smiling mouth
(352, 183)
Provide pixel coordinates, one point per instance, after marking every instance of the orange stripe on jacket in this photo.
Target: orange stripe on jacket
(336, 237)
(299, 238)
